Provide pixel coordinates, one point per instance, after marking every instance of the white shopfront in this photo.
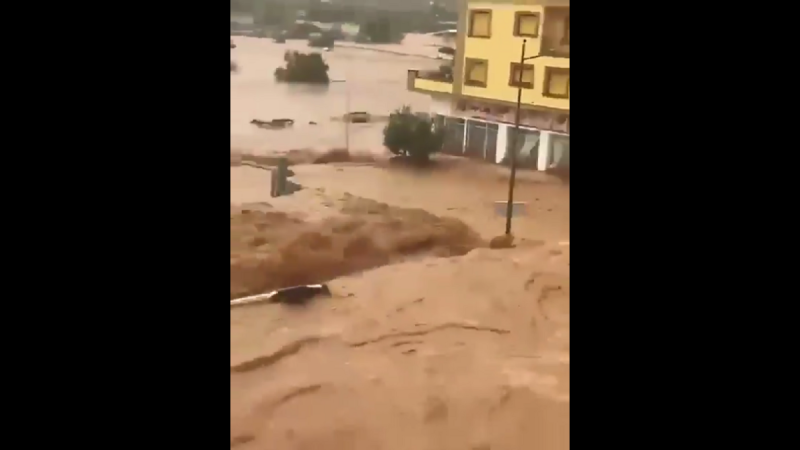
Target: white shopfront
(486, 133)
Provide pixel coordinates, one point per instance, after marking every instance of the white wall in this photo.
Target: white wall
(545, 145)
(440, 105)
(502, 142)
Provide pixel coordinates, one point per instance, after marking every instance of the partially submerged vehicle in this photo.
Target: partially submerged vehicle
(357, 117)
(279, 37)
(274, 124)
(447, 53)
(321, 40)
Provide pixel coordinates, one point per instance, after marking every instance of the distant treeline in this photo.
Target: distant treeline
(281, 12)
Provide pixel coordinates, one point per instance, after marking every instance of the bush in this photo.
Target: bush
(411, 135)
(270, 13)
(303, 68)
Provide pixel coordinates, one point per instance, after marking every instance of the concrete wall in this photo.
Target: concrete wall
(440, 105)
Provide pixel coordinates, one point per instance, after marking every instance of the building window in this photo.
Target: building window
(527, 76)
(480, 23)
(526, 24)
(556, 82)
(476, 72)
(565, 37)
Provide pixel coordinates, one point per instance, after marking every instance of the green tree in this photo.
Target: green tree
(241, 5)
(379, 31)
(271, 13)
(411, 135)
(303, 68)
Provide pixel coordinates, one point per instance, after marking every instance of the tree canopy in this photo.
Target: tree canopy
(303, 68)
(411, 135)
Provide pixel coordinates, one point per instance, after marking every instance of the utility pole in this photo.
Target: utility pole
(347, 105)
(514, 137)
(347, 115)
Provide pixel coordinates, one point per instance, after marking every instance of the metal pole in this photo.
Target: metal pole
(514, 137)
(347, 106)
(347, 116)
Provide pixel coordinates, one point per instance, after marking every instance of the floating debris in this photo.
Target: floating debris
(295, 295)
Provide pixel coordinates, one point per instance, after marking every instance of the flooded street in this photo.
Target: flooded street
(376, 84)
(431, 338)
(374, 81)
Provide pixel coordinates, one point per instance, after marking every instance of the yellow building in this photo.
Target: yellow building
(476, 98)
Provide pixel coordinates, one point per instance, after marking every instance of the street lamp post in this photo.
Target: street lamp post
(347, 73)
(514, 137)
(347, 115)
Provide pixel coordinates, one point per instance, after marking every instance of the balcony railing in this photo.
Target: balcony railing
(436, 75)
(430, 81)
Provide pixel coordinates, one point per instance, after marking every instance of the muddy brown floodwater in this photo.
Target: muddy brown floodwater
(374, 82)
(431, 340)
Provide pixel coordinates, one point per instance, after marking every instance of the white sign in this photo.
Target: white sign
(517, 208)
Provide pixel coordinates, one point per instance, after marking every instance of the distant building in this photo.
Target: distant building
(242, 23)
(242, 19)
(398, 5)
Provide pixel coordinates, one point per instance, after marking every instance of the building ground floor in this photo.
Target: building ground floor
(492, 140)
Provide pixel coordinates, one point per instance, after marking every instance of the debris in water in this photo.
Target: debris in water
(295, 295)
(274, 124)
(502, 241)
(299, 295)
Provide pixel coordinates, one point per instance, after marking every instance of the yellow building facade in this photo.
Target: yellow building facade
(475, 99)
